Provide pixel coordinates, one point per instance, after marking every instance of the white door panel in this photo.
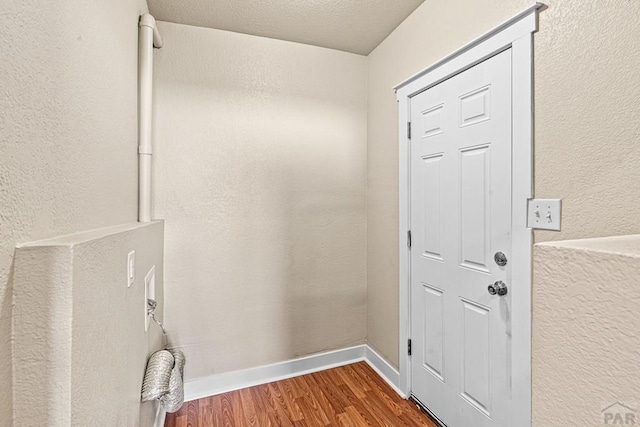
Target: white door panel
(461, 216)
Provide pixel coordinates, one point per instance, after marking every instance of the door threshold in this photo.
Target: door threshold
(427, 411)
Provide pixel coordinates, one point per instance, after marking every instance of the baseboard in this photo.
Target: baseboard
(222, 383)
(384, 369)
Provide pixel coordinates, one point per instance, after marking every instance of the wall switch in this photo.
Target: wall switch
(544, 214)
(131, 268)
(149, 293)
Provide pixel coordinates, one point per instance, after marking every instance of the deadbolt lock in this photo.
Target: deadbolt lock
(498, 288)
(500, 258)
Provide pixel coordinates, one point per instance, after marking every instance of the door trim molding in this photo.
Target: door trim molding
(515, 34)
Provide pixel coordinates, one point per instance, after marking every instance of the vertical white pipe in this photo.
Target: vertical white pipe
(148, 36)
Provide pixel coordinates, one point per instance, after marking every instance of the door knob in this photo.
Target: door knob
(499, 288)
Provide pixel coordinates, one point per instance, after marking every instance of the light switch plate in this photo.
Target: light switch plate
(544, 214)
(131, 268)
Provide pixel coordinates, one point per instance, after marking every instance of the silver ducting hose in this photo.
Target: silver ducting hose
(158, 375)
(163, 378)
(173, 400)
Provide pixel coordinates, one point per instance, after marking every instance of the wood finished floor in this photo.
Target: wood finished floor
(352, 395)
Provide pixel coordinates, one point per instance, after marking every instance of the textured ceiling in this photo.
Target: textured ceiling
(356, 26)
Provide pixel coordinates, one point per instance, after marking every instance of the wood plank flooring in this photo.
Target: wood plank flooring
(350, 396)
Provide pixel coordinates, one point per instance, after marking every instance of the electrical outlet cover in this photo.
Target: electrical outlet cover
(131, 268)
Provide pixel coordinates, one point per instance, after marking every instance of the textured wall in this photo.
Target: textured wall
(260, 173)
(68, 108)
(586, 308)
(587, 81)
(79, 346)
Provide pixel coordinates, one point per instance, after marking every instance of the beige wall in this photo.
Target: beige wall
(587, 128)
(586, 309)
(267, 150)
(79, 345)
(587, 81)
(67, 129)
(260, 173)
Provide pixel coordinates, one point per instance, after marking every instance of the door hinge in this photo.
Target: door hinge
(409, 130)
(409, 239)
(409, 347)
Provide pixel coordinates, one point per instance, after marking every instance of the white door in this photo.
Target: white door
(460, 218)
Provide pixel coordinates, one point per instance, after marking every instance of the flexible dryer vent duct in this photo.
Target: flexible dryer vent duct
(148, 38)
(163, 379)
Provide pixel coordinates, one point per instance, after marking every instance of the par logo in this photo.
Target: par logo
(619, 414)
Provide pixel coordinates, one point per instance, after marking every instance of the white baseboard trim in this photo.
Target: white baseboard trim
(384, 369)
(229, 381)
(222, 383)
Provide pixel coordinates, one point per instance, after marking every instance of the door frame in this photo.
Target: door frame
(516, 34)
